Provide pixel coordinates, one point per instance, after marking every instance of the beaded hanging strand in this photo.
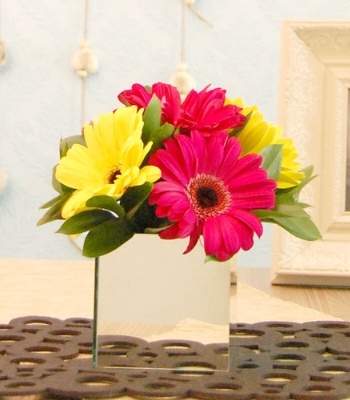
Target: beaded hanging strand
(3, 47)
(84, 61)
(181, 79)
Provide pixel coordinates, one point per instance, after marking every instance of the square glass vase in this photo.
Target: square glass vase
(155, 307)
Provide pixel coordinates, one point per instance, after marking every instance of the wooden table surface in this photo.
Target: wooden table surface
(65, 289)
(334, 302)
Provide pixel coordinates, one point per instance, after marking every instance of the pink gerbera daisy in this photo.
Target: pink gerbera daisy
(206, 112)
(169, 96)
(209, 190)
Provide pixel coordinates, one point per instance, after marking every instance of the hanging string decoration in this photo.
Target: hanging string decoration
(181, 78)
(189, 4)
(3, 47)
(84, 61)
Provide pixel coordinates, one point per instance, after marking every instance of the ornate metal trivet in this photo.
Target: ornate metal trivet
(271, 360)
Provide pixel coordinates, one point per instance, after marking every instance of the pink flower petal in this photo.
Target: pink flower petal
(206, 112)
(168, 95)
(207, 190)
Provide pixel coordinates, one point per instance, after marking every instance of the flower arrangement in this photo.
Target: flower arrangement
(207, 168)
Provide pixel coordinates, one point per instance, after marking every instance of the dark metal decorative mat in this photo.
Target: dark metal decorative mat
(271, 360)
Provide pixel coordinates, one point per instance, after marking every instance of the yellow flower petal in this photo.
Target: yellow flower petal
(257, 134)
(109, 163)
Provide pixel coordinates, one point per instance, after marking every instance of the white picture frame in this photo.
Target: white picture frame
(314, 111)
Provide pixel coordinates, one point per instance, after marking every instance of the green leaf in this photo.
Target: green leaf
(282, 211)
(107, 203)
(285, 195)
(303, 228)
(84, 221)
(157, 137)
(210, 258)
(134, 197)
(272, 158)
(145, 220)
(54, 212)
(290, 214)
(293, 218)
(151, 118)
(155, 231)
(51, 202)
(107, 237)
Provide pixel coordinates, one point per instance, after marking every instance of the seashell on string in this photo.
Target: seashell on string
(3, 53)
(84, 61)
(182, 80)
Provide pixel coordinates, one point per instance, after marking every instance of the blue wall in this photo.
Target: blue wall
(135, 41)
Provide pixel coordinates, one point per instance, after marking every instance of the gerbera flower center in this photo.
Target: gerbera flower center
(112, 176)
(208, 195)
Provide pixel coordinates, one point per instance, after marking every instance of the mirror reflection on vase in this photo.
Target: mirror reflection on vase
(165, 305)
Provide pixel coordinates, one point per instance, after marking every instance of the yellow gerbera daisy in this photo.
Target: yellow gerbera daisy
(109, 163)
(258, 133)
